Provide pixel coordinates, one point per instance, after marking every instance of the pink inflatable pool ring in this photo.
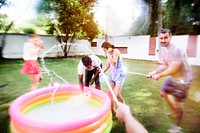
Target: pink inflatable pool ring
(34, 111)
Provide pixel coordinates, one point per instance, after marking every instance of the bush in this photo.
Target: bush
(29, 31)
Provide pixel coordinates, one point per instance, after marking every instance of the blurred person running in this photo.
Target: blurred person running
(176, 67)
(30, 67)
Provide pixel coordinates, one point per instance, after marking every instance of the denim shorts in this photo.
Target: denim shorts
(178, 90)
(119, 80)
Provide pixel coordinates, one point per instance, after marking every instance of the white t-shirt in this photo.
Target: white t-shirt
(95, 63)
(30, 51)
(176, 54)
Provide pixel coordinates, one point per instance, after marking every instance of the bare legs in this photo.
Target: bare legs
(117, 88)
(35, 81)
(175, 107)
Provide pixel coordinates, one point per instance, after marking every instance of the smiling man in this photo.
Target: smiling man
(178, 70)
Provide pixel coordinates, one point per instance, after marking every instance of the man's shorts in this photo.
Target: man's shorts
(178, 90)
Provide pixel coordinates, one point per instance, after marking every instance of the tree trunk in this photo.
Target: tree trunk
(3, 40)
(159, 28)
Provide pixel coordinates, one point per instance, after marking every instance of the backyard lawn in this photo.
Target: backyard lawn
(141, 94)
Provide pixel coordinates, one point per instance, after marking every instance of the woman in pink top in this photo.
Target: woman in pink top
(30, 56)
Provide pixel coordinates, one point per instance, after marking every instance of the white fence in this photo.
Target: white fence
(137, 46)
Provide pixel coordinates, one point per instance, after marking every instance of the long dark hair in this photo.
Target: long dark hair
(107, 45)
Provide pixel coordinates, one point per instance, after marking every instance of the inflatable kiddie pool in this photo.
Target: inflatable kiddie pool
(34, 111)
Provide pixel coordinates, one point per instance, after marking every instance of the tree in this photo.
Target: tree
(73, 18)
(7, 28)
(153, 9)
(4, 3)
(3, 22)
(183, 17)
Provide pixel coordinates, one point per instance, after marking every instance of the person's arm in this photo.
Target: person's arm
(113, 60)
(80, 77)
(107, 66)
(98, 70)
(159, 70)
(80, 70)
(172, 69)
(132, 125)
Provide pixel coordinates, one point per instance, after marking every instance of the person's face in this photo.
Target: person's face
(89, 65)
(105, 50)
(165, 39)
(36, 40)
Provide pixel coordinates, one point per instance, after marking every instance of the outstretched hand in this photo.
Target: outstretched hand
(154, 75)
(122, 111)
(150, 74)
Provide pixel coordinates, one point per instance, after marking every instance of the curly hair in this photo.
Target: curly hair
(86, 60)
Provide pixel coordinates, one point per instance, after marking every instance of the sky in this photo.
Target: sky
(21, 10)
(115, 17)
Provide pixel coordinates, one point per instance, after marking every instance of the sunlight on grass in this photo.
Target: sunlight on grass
(141, 94)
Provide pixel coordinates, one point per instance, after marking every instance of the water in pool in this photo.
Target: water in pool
(61, 111)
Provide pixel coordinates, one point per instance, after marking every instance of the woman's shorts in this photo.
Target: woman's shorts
(119, 80)
(178, 90)
(30, 67)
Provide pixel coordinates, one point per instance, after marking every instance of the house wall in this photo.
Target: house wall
(136, 47)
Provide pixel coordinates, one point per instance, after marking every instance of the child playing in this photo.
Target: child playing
(31, 50)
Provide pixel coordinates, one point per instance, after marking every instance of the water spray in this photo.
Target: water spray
(136, 73)
(47, 70)
(56, 85)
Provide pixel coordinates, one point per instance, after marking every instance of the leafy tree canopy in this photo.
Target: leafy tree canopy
(74, 18)
(183, 17)
(3, 3)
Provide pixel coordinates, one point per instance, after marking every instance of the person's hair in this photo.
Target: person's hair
(34, 35)
(107, 45)
(163, 31)
(86, 60)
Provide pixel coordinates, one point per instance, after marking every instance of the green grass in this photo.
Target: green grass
(141, 94)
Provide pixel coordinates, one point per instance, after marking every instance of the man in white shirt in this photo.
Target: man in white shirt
(90, 65)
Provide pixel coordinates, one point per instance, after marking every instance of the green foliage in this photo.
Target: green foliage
(3, 22)
(141, 94)
(4, 3)
(183, 17)
(153, 5)
(45, 23)
(74, 17)
(28, 31)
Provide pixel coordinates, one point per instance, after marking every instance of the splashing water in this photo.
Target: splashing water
(77, 100)
(74, 100)
(47, 70)
(56, 85)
